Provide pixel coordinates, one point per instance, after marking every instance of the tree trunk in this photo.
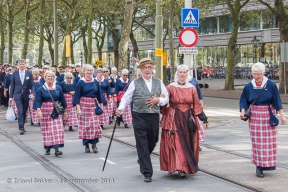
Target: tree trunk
(283, 23)
(72, 52)
(9, 33)
(51, 50)
(125, 34)
(229, 82)
(135, 46)
(83, 34)
(89, 29)
(2, 46)
(116, 48)
(26, 34)
(41, 40)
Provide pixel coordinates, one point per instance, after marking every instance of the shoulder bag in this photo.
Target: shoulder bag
(57, 105)
(247, 113)
(121, 93)
(98, 109)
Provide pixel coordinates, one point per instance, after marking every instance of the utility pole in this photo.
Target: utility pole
(159, 41)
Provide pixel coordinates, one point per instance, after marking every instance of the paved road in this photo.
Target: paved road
(226, 153)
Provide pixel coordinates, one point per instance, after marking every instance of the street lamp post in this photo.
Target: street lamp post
(255, 44)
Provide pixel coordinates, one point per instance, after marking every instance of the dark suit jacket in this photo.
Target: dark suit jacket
(17, 89)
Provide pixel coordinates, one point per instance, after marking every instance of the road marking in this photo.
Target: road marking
(108, 161)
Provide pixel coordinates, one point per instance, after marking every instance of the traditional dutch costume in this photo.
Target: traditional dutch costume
(108, 107)
(89, 129)
(263, 135)
(51, 123)
(72, 119)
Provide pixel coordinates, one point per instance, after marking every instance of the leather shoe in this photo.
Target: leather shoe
(94, 148)
(87, 149)
(147, 179)
(21, 132)
(126, 126)
(47, 152)
(259, 173)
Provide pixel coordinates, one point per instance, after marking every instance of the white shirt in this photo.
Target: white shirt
(22, 76)
(127, 97)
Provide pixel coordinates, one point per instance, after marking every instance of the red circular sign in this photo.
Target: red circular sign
(188, 37)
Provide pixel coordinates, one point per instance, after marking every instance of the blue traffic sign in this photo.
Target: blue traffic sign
(190, 17)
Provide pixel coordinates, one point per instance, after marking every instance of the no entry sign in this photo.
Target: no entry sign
(188, 37)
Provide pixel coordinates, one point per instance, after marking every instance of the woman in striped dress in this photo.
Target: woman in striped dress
(34, 117)
(122, 85)
(86, 93)
(262, 134)
(69, 89)
(51, 123)
(107, 99)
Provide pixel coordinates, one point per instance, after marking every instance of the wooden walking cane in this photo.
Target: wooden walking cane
(109, 146)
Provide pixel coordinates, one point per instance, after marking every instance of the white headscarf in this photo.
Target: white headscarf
(181, 67)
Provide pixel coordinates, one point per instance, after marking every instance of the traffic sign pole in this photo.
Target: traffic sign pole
(187, 57)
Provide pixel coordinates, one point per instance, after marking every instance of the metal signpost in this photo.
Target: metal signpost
(284, 59)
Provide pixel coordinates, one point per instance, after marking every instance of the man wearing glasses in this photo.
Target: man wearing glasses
(148, 93)
(21, 84)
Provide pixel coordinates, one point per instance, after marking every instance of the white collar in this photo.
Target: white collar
(187, 85)
(21, 71)
(265, 79)
(101, 79)
(53, 86)
(123, 80)
(83, 79)
(68, 83)
(149, 80)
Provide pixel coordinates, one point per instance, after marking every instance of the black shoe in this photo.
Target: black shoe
(16, 118)
(110, 122)
(87, 149)
(147, 179)
(126, 126)
(47, 152)
(57, 152)
(31, 122)
(21, 132)
(25, 130)
(259, 173)
(118, 124)
(102, 127)
(70, 128)
(181, 174)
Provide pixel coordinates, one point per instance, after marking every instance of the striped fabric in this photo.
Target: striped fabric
(33, 112)
(72, 119)
(104, 117)
(127, 116)
(263, 137)
(201, 131)
(110, 106)
(89, 125)
(52, 129)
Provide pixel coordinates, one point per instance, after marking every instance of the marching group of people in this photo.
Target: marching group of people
(81, 94)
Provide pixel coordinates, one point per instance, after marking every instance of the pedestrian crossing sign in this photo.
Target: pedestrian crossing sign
(190, 17)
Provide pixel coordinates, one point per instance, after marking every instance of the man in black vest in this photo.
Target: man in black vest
(145, 92)
(21, 84)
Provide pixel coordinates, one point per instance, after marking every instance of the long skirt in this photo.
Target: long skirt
(52, 129)
(89, 124)
(127, 116)
(263, 137)
(34, 116)
(104, 117)
(180, 151)
(201, 131)
(72, 119)
(109, 107)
